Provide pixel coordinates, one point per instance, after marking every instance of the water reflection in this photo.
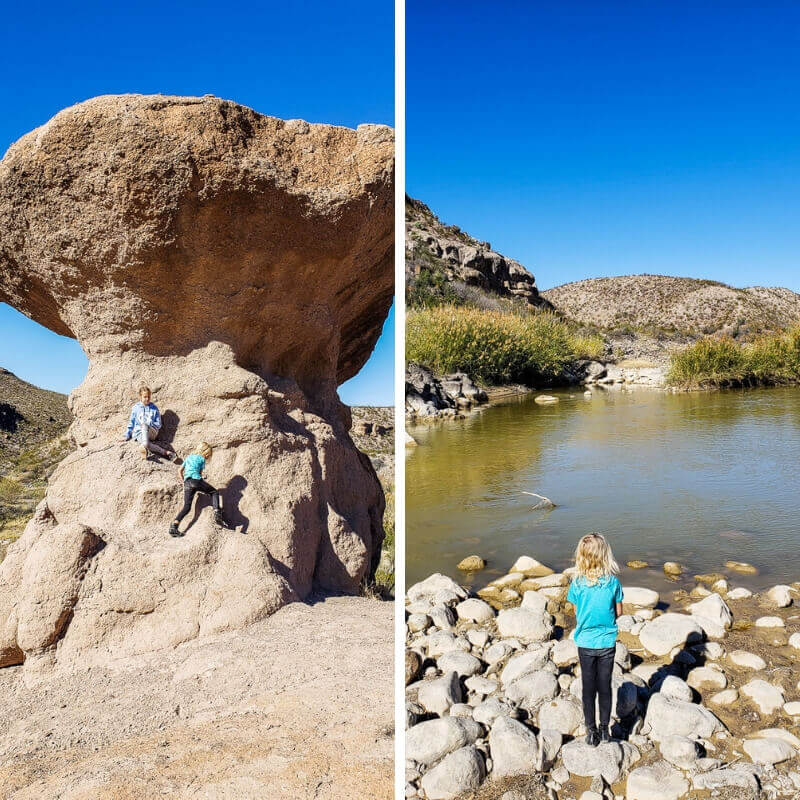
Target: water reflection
(699, 478)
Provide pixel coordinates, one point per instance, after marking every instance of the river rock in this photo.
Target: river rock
(794, 641)
(672, 568)
(514, 748)
(436, 589)
(609, 760)
(734, 777)
(670, 630)
(471, 564)
(532, 689)
(441, 642)
(742, 567)
(676, 688)
(768, 751)
(443, 617)
(530, 567)
(668, 716)
(522, 663)
(413, 665)
(489, 710)
(120, 218)
(428, 742)
(478, 684)
(637, 564)
(740, 593)
(638, 596)
(680, 751)
(474, 610)
(418, 622)
(747, 660)
(534, 601)
(705, 677)
(780, 596)
(564, 653)
(436, 696)
(545, 399)
(766, 696)
(563, 714)
(457, 773)
(714, 610)
(659, 781)
(770, 622)
(463, 664)
(526, 624)
(726, 697)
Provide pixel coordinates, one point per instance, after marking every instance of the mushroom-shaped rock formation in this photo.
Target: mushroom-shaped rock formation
(241, 266)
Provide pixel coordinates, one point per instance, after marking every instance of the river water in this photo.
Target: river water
(698, 478)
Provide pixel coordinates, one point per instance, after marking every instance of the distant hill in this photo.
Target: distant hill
(29, 416)
(445, 264)
(682, 305)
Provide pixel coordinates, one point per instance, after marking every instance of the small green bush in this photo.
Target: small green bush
(10, 490)
(494, 346)
(769, 359)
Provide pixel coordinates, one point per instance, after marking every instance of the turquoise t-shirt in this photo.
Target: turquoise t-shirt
(193, 466)
(595, 610)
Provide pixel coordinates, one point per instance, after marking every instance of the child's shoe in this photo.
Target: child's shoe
(592, 737)
(605, 736)
(173, 530)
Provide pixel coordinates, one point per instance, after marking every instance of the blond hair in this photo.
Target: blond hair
(204, 449)
(143, 387)
(594, 559)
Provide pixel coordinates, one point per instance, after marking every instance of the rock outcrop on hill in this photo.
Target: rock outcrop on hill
(448, 253)
(682, 305)
(242, 267)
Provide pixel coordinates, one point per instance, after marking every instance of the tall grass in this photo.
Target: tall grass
(494, 346)
(769, 359)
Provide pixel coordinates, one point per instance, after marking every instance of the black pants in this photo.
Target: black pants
(596, 668)
(191, 486)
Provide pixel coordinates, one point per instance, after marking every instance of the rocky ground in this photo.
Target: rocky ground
(705, 693)
(291, 707)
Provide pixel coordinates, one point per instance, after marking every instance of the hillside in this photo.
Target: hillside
(445, 264)
(679, 305)
(29, 416)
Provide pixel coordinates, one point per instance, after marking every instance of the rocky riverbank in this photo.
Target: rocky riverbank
(705, 693)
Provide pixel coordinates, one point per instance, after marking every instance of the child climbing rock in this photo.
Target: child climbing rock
(145, 425)
(191, 472)
(597, 596)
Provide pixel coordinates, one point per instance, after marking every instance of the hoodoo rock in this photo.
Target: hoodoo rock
(241, 266)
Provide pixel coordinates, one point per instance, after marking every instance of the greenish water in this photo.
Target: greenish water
(698, 478)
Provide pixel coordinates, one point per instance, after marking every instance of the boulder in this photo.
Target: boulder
(413, 666)
(668, 716)
(706, 678)
(532, 688)
(712, 614)
(242, 266)
(676, 688)
(669, 630)
(780, 596)
(680, 751)
(521, 663)
(747, 660)
(530, 567)
(768, 751)
(562, 714)
(737, 777)
(463, 664)
(435, 589)
(489, 710)
(659, 781)
(564, 653)
(462, 770)
(638, 596)
(525, 624)
(609, 760)
(770, 622)
(436, 696)
(768, 697)
(471, 564)
(428, 742)
(514, 748)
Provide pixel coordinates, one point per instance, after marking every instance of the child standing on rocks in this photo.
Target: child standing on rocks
(597, 596)
(191, 472)
(145, 425)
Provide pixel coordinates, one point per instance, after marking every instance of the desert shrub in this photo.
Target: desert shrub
(10, 489)
(768, 359)
(493, 346)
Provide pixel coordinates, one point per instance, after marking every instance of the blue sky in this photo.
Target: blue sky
(319, 61)
(589, 139)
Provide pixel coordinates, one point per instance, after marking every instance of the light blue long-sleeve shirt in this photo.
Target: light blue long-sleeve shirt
(142, 415)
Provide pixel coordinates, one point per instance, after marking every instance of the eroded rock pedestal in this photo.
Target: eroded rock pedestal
(242, 267)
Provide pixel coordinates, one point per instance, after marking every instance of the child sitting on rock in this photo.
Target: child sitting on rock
(191, 472)
(597, 596)
(145, 425)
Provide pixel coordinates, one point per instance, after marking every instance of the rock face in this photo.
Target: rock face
(449, 254)
(242, 267)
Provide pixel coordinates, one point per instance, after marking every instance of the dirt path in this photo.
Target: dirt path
(298, 706)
